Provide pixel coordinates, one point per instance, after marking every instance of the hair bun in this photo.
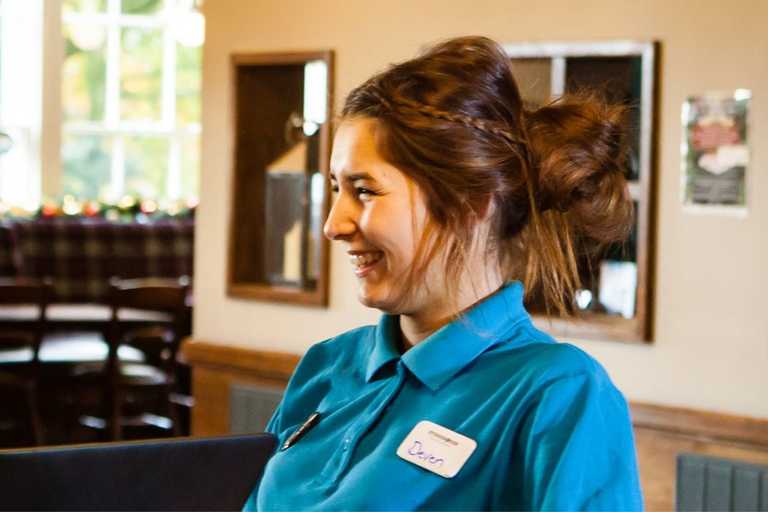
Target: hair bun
(578, 147)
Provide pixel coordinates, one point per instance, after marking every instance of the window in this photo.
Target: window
(21, 50)
(615, 302)
(131, 98)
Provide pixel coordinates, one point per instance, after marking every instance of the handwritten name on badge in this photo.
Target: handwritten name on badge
(437, 449)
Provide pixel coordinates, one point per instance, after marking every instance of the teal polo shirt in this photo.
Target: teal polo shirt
(552, 431)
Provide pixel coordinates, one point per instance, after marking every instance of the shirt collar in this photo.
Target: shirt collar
(450, 349)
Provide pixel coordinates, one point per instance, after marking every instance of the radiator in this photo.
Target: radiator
(708, 483)
(251, 407)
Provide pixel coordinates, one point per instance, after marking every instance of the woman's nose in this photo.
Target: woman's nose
(340, 223)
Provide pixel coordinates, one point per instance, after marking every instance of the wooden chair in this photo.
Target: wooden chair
(19, 382)
(134, 391)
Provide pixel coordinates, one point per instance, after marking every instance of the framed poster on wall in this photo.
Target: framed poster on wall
(715, 151)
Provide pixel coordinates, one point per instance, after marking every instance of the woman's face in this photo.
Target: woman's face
(378, 212)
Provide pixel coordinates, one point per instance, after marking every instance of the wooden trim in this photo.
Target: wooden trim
(317, 296)
(271, 58)
(702, 425)
(646, 218)
(270, 293)
(264, 364)
(326, 147)
(592, 326)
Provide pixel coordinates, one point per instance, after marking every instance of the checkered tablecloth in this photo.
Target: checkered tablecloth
(80, 256)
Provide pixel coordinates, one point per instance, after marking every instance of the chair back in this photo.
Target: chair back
(22, 291)
(166, 296)
(26, 292)
(152, 294)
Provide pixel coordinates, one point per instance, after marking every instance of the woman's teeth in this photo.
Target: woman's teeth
(362, 260)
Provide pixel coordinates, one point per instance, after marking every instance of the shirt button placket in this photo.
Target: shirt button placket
(357, 430)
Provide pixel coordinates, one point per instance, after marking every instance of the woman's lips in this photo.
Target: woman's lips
(364, 262)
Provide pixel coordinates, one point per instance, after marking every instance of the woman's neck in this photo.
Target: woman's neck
(418, 325)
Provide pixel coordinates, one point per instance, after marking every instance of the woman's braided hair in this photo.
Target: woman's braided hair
(483, 125)
(452, 119)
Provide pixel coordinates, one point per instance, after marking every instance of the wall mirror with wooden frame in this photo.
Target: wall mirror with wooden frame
(615, 301)
(280, 194)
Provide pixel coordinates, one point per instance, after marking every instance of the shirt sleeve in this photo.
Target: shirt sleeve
(576, 450)
(273, 425)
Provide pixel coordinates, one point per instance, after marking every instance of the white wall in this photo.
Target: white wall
(711, 345)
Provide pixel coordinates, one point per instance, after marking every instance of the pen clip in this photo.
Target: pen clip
(303, 429)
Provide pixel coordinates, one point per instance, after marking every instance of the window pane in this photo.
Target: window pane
(190, 167)
(611, 280)
(84, 72)
(146, 165)
(86, 160)
(141, 6)
(84, 6)
(141, 74)
(188, 67)
(619, 79)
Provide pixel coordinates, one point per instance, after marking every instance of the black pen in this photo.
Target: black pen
(303, 429)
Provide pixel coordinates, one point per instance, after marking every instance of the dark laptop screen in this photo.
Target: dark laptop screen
(216, 473)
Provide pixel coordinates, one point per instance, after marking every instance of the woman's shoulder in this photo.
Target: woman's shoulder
(346, 343)
(544, 360)
(564, 359)
(341, 350)
(322, 367)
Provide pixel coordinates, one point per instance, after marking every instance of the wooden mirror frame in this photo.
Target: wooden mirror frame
(642, 189)
(243, 215)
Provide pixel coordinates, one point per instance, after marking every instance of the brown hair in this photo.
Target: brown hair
(452, 120)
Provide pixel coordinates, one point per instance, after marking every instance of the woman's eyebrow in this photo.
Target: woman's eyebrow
(359, 176)
(352, 177)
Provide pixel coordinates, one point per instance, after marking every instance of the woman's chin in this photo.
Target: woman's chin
(374, 299)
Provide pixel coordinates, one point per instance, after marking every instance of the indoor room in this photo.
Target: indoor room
(196, 226)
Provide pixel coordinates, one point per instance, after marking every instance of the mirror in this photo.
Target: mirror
(615, 301)
(280, 196)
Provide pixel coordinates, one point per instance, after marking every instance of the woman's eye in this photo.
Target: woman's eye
(364, 191)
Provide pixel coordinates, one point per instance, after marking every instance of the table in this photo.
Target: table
(82, 317)
(75, 336)
(69, 348)
(74, 333)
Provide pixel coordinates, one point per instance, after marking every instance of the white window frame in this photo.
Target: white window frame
(21, 110)
(112, 126)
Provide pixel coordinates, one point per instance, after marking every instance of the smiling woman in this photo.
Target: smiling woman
(451, 200)
(378, 212)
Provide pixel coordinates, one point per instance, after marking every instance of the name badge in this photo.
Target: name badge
(436, 449)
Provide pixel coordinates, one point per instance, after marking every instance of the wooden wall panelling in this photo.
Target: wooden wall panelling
(216, 367)
(663, 432)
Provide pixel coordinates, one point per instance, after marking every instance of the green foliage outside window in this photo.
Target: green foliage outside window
(84, 6)
(84, 75)
(146, 160)
(141, 6)
(141, 74)
(147, 150)
(188, 66)
(87, 164)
